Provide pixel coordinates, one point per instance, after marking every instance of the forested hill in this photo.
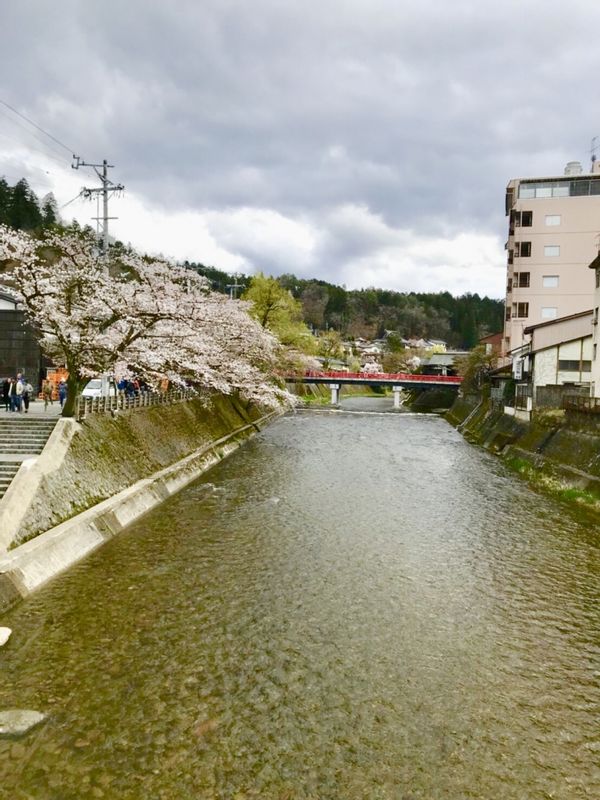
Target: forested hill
(22, 210)
(460, 321)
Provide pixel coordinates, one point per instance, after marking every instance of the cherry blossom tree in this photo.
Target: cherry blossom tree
(136, 315)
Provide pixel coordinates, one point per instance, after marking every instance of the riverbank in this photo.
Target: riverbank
(557, 451)
(108, 471)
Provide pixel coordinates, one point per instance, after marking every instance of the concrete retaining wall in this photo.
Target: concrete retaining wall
(31, 564)
(563, 445)
(107, 453)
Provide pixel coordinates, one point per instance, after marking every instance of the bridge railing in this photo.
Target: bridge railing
(400, 377)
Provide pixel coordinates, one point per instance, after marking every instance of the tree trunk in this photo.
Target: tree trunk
(73, 386)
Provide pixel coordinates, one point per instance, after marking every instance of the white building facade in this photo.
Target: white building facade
(554, 225)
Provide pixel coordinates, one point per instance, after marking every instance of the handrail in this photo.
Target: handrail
(575, 402)
(401, 377)
(122, 402)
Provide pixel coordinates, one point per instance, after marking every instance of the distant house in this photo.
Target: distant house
(595, 377)
(443, 363)
(492, 343)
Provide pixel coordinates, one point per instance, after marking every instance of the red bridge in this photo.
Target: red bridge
(403, 379)
(397, 380)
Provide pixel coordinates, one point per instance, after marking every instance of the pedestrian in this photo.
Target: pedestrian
(12, 394)
(27, 394)
(19, 389)
(5, 397)
(62, 393)
(47, 394)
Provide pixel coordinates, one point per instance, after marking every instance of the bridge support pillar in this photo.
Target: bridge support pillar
(397, 396)
(335, 394)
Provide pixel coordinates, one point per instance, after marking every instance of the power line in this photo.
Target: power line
(53, 150)
(35, 125)
(68, 203)
(31, 147)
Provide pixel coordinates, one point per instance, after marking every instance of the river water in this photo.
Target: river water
(353, 606)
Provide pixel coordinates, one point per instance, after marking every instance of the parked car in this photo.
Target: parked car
(100, 387)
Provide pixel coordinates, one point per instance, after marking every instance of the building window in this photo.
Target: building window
(521, 219)
(522, 310)
(510, 256)
(552, 250)
(595, 352)
(549, 312)
(595, 317)
(524, 280)
(574, 366)
(571, 188)
(507, 312)
(552, 219)
(598, 279)
(550, 281)
(522, 249)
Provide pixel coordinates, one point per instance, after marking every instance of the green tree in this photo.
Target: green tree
(24, 211)
(5, 200)
(277, 311)
(475, 369)
(50, 214)
(330, 346)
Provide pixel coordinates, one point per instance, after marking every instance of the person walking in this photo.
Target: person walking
(19, 389)
(12, 394)
(47, 394)
(27, 393)
(62, 393)
(5, 397)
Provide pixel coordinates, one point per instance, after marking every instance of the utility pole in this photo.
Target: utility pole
(233, 287)
(108, 187)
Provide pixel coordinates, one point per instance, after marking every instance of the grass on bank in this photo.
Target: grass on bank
(553, 485)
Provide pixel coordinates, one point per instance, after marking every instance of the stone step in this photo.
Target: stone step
(14, 449)
(25, 423)
(25, 435)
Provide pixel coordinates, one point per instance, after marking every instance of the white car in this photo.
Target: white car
(99, 387)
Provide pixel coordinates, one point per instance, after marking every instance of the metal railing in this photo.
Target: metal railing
(574, 402)
(390, 377)
(523, 396)
(122, 402)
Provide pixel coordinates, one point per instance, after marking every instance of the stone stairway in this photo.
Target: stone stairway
(20, 438)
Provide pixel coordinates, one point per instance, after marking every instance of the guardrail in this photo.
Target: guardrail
(121, 402)
(574, 402)
(403, 377)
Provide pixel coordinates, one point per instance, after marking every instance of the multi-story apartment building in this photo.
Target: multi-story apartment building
(553, 234)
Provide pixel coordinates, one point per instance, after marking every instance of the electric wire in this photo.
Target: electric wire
(54, 150)
(39, 128)
(31, 147)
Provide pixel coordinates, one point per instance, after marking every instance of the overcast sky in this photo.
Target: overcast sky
(364, 142)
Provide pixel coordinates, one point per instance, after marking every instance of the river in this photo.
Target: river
(353, 606)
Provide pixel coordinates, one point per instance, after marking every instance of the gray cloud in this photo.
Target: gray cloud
(419, 113)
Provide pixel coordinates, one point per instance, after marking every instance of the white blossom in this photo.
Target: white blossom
(137, 315)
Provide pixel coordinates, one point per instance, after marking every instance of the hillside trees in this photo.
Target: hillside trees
(277, 311)
(136, 315)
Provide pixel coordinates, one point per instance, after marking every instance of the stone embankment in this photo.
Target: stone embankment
(95, 477)
(558, 449)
